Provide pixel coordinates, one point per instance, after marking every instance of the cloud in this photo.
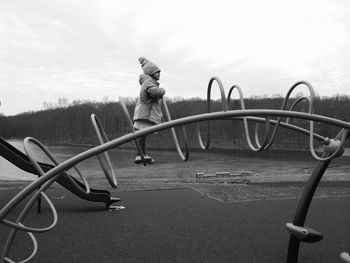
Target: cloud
(89, 49)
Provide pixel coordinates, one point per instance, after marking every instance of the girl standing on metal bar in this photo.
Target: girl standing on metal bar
(148, 110)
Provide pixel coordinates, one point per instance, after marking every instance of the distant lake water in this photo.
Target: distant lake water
(90, 167)
(10, 172)
(169, 164)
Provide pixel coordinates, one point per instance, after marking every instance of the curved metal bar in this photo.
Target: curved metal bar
(22, 227)
(266, 133)
(303, 207)
(310, 111)
(42, 187)
(185, 156)
(108, 171)
(285, 125)
(131, 126)
(224, 108)
(22, 215)
(336, 153)
(307, 196)
(245, 123)
(35, 249)
(54, 161)
(284, 104)
(343, 140)
(296, 103)
(85, 182)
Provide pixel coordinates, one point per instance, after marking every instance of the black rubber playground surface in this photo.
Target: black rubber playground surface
(180, 225)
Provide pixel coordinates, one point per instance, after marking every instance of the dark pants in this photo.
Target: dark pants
(142, 142)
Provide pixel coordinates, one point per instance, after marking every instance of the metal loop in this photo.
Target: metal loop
(22, 227)
(184, 133)
(284, 104)
(108, 171)
(54, 161)
(223, 107)
(245, 123)
(35, 249)
(296, 103)
(45, 182)
(266, 134)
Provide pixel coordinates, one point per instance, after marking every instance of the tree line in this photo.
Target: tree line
(70, 122)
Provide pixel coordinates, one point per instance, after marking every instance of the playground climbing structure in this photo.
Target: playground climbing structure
(271, 119)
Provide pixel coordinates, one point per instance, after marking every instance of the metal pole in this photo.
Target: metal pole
(303, 207)
(39, 204)
(331, 146)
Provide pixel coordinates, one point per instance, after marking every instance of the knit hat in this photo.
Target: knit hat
(148, 67)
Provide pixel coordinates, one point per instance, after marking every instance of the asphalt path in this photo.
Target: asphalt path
(179, 225)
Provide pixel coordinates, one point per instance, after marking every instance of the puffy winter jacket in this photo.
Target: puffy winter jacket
(148, 106)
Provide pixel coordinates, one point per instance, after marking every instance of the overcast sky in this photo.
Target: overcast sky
(88, 50)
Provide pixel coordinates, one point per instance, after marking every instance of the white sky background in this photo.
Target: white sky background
(87, 49)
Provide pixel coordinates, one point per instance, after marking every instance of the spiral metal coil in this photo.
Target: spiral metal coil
(333, 148)
(269, 137)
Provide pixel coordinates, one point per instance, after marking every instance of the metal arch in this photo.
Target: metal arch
(108, 171)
